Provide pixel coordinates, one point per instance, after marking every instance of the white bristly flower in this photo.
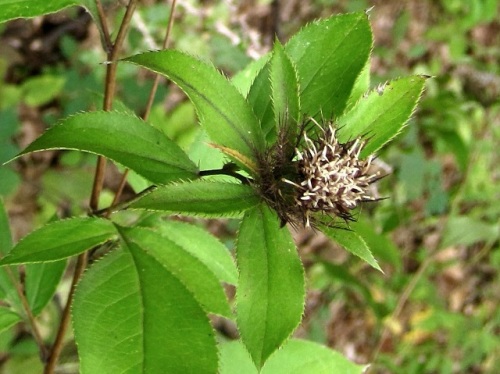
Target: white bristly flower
(334, 180)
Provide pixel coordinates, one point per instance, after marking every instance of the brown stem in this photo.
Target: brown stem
(29, 314)
(152, 94)
(149, 104)
(109, 92)
(118, 194)
(108, 45)
(81, 263)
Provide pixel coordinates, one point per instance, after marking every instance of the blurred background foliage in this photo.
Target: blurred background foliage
(436, 307)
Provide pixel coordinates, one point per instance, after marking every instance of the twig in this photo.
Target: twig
(81, 263)
(109, 93)
(223, 171)
(108, 45)
(156, 81)
(124, 204)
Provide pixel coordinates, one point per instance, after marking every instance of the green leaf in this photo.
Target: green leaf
(184, 266)
(259, 97)
(244, 79)
(60, 240)
(304, 357)
(467, 230)
(352, 242)
(329, 56)
(205, 247)
(41, 282)
(285, 93)
(223, 111)
(8, 318)
(31, 8)
(234, 358)
(200, 198)
(42, 89)
(361, 85)
(123, 138)
(108, 317)
(383, 113)
(8, 292)
(270, 294)
(5, 236)
(131, 315)
(380, 245)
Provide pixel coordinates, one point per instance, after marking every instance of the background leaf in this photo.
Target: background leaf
(271, 277)
(60, 240)
(352, 242)
(8, 291)
(203, 198)
(5, 236)
(467, 230)
(329, 56)
(304, 357)
(382, 114)
(188, 269)
(223, 112)
(8, 318)
(123, 138)
(41, 282)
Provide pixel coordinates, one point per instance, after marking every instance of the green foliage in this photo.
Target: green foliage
(148, 152)
(223, 112)
(201, 198)
(271, 276)
(143, 304)
(22, 8)
(382, 113)
(60, 240)
(129, 285)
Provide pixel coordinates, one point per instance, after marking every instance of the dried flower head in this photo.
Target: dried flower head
(322, 176)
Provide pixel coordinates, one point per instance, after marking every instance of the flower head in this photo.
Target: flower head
(323, 176)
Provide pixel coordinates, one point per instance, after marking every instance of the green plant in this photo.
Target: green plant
(143, 303)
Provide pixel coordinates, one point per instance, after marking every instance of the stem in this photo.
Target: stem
(149, 103)
(29, 314)
(156, 81)
(82, 260)
(81, 263)
(108, 45)
(124, 204)
(241, 178)
(109, 93)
